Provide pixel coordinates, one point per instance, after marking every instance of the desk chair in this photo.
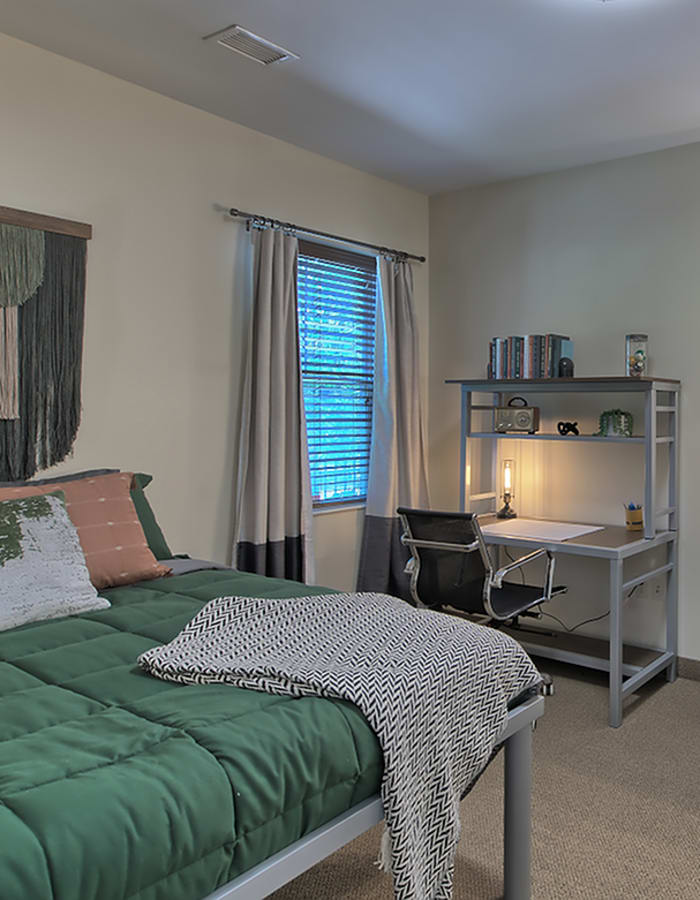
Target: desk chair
(450, 566)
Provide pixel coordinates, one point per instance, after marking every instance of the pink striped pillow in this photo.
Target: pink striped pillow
(101, 508)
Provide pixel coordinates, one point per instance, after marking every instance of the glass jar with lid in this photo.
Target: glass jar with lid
(636, 354)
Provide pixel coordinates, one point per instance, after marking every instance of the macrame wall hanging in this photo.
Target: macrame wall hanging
(42, 304)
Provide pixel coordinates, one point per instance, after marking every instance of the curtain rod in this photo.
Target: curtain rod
(267, 222)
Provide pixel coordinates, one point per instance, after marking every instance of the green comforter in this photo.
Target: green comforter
(116, 785)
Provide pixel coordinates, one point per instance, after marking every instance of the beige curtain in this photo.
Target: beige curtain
(273, 504)
(397, 469)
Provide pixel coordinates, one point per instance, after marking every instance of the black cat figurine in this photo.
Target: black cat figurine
(565, 428)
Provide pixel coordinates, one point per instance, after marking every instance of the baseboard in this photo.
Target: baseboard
(689, 668)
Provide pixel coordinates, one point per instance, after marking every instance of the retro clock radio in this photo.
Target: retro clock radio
(516, 416)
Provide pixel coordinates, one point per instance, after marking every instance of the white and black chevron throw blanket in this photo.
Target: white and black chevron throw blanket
(434, 688)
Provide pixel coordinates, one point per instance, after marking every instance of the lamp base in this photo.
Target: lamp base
(506, 511)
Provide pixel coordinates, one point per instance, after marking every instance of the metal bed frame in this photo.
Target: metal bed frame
(268, 876)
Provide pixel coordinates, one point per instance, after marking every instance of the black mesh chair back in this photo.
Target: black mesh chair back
(451, 566)
(449, 575)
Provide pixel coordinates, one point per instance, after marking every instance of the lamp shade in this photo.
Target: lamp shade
(509, 476)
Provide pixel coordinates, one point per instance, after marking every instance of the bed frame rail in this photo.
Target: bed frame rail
(272, 873)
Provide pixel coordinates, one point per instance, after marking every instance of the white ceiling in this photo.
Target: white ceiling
(434, 96)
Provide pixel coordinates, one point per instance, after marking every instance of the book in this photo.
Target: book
(500, 358)
(542, 357)
(528, 356)
(511, 358)
(519, 361)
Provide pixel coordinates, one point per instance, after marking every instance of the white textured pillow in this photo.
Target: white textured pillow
(42, 568)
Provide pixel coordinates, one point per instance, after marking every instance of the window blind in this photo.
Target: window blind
(337, 293)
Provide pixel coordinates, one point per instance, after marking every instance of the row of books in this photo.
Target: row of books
(531, 356)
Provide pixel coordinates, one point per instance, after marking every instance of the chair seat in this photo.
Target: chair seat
(512, 598)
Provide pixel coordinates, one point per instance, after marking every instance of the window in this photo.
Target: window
(337, 293)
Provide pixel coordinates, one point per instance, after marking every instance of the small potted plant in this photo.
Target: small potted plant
(615, 423)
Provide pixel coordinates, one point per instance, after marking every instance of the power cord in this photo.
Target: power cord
(579, 625)
(585, 621)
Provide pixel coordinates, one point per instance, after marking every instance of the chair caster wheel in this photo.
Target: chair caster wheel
(547, 686)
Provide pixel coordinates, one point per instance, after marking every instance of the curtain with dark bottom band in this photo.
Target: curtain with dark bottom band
(397, 465)
(47, 349)
(273, 504)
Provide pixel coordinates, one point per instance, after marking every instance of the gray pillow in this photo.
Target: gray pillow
(42, 568)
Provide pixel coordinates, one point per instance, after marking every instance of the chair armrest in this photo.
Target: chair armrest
(439, 545)
(497, 577)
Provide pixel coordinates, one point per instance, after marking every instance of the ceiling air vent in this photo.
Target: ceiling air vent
(251, 45)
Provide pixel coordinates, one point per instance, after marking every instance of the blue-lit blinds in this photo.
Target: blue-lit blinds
(337, 293)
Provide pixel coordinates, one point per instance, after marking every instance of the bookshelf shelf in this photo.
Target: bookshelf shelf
(613, 384)
(571, 439)
(660, 396)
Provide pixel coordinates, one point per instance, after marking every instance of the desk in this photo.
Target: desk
(661, 398)
(615, 544)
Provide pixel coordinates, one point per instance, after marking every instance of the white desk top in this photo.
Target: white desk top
(605, 542)
(538, 529)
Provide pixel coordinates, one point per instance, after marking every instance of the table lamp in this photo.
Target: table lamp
(506, 511)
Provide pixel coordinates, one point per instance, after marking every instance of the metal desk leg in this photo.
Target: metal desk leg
(615, 714)
(517, 826)
(672, 610)
(465, 431)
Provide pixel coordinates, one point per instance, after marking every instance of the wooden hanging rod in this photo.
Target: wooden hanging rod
(9, 216)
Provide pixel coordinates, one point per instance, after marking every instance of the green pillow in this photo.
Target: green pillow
(154, 536)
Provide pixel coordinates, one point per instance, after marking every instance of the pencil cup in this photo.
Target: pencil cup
(634, 519)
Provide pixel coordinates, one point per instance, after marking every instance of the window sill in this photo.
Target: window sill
(338, 507)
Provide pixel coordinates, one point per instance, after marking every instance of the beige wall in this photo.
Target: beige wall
(593, 252)
(166, 286)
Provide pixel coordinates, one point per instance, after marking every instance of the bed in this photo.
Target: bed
(117, 785)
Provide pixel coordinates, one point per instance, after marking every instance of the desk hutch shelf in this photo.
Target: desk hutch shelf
(628, 666)
(661, 395)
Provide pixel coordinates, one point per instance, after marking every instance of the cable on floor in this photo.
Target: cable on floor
(585, 621)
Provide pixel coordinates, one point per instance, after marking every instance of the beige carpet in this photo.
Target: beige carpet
(616, 812)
